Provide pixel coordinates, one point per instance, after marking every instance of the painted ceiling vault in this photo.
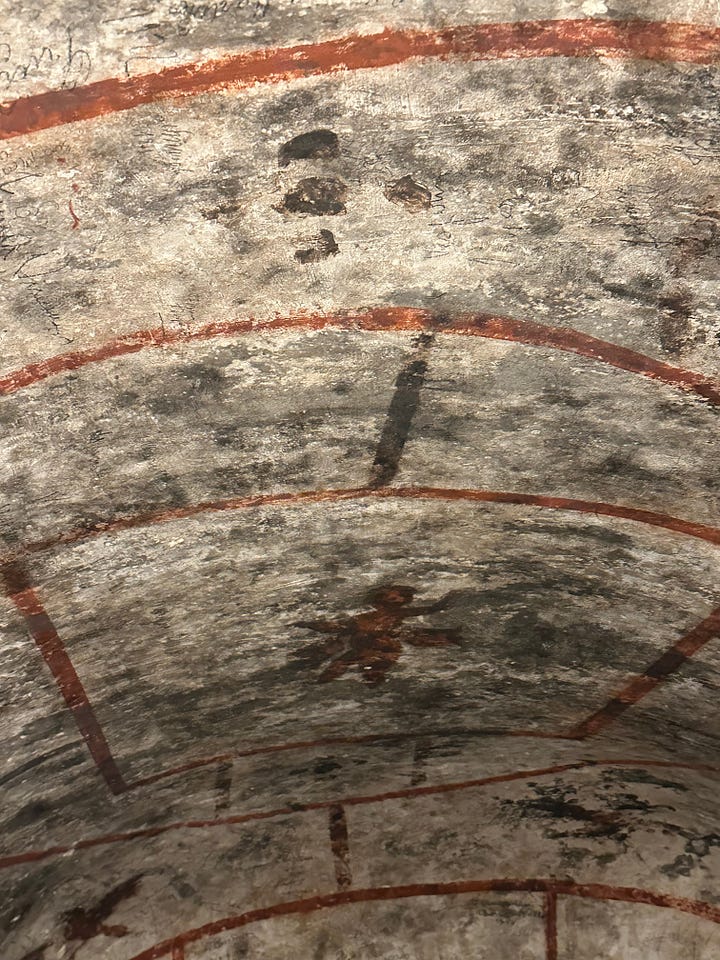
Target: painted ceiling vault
(359, 473)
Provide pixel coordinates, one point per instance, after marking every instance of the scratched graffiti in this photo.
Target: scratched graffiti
(373, 640)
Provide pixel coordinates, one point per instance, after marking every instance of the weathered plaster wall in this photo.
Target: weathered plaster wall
(359, 491)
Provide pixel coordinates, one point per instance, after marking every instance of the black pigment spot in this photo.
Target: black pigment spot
(412, 195)
(323, 246)
(314, 145)
(326, 765)
(316, 196)
(674, 325)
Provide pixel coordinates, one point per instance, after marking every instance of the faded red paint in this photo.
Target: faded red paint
(32, 856)
(551, 940)
(391, 737)
(620, 39)
(51, 646)
(372, 641)
(17, 586)
(687, 528)
(335, 741)
(378, 320)
(85, 923)
(76, 221)
(643, 684)
(567, 888)
(340, 845)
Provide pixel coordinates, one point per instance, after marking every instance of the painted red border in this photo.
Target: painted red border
(687, 528)
(408, 793)
(40, 627)
(618, 39)
(42, 630)
(378, 320)
(327, 901)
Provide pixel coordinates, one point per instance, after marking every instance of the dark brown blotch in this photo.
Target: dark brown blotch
(674, 326)
(313, 145)
(323, 246)
(315, 196)
(85, 923)
(408, 192)
(37, 954)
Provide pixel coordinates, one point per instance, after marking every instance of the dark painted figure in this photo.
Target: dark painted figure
(373, 641)
(85, 923)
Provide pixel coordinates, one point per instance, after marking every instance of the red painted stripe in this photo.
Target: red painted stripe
(84, 714)
(687, 528)
(370, 738)
(621, 39)
(568, 888)
(32, 856)
(379, 320)
(42, 631)
(338, 741)
(551, 942)
(643, 684)
(340, 845)
(408, 793)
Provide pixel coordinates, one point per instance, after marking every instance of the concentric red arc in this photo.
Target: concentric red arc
(686, 528)
(408, 793)
(565, 888)
(40, 626)
(379, 320)
(618, 39)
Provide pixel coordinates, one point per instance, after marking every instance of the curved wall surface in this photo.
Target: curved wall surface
(359, 537)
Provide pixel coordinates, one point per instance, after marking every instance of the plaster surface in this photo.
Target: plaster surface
(359, 393)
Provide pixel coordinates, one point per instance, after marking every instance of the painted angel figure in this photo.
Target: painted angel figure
(373, 640)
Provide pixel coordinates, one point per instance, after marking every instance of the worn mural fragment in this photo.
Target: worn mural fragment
(359, 394)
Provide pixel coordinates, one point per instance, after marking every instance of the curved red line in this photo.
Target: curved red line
(145, 833)
(686, 528)
(20, 592)
(378, 320)
(377, 738)
(568, 888)
(638, 686)
(656, 673)
(340, 741)
(623, 39)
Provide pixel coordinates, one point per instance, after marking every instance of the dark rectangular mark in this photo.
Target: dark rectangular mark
(15, 578)
(339, 844)
(421, 754)
(400, 415)
(668, 663)
(551, 944)
(223, 783)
